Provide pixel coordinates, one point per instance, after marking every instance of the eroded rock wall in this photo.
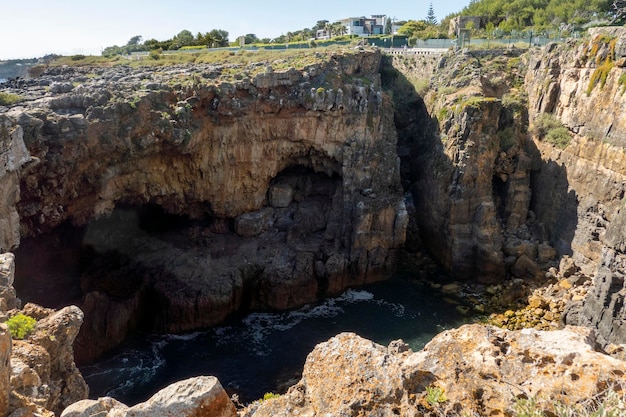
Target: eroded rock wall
(579, 192)
(467, 162)
(293, 172)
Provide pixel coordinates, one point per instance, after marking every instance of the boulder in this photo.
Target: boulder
(88, 408)
(525, 267)
(201, 396)
(280, 195)
(253, 223)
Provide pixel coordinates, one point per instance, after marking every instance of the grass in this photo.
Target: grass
(7, 99)
(609, 403)
(296, 57)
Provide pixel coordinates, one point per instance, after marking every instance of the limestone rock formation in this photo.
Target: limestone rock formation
(578, 193)
(468, 162)
(14, 161)
(287, 179)
(43, 370)
(479, 370)
(8, 297)
(201, 396)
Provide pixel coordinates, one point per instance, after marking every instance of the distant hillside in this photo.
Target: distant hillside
(519, 14)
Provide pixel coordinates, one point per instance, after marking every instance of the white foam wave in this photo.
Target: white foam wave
(258, 326)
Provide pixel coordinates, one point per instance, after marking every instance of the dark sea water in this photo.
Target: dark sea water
(262, 352)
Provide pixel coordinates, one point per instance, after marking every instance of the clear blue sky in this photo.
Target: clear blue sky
(38, 27)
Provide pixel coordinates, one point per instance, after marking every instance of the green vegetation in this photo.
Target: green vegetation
(216, 38)
(508, 15)
(507, 138)
(610, 403)
(600, 75)
(7, 99)
(269, 396)
(20, 325)
(548, 128)
(435, 395)
(602, 49)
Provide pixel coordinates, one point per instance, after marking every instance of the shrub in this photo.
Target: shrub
(21, 325)
(507, 138)
(269, 396)
(6, 99)
(156, 53)
(547, 127)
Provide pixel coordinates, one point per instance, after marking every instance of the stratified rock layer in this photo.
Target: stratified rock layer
(579, 192)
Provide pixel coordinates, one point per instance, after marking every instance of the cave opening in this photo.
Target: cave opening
(500, 189)
(55, 269)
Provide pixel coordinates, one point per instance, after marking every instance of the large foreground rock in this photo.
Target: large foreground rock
(482, 370)
(195, 397)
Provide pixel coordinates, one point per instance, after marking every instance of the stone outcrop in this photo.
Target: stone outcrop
(287, 179)
(38, 375)
(201, 396)
(479, 370)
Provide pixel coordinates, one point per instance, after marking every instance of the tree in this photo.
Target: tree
(135, 40)
(388, 26)
(251, 38)
(220, 38)
(184, 38)
(619, 8)
(431, 19)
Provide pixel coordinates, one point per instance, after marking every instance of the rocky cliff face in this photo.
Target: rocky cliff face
(468, 162)
(286, 184)
(579, 196)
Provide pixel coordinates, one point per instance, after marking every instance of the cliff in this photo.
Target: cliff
(468, 161)
(284, 181)
(579, 196)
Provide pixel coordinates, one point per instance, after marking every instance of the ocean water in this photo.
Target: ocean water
(265, 352)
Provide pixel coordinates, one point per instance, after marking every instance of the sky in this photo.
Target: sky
(67, 27)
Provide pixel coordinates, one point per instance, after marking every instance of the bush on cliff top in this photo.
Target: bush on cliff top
(21, 325)
(6, 99)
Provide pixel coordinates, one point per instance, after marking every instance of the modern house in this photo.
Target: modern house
(365, 26)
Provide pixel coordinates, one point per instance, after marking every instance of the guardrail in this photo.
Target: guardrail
(414, 51)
